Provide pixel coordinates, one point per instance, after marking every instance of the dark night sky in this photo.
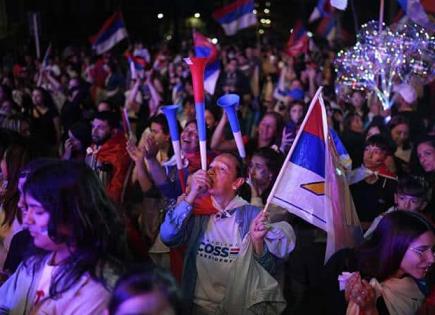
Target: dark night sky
(73, 21)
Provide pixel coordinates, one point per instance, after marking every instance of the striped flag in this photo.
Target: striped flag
(312, 182)
(137, 64)
(326, 27)
(236, 16)
(321, 10)
(205, 48)
(112, 32)
(298, 41)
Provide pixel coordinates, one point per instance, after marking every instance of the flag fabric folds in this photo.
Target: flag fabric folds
(137, 64)
(46, 56)
(322, 9)
(298, 41)
(112, 32)
(326, 27)
(420, 12)
(339, 4)
(205, 48)
(236, 16)
(312, 182)
(343, 155)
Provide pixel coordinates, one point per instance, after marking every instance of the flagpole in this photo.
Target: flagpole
(36, 35)
(381, 15)
(355, 16)
(301, 128)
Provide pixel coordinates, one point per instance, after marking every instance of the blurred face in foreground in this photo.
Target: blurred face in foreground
(151, 303)
(36, 218)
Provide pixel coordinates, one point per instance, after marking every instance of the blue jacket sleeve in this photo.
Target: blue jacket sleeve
(268, 261)
(174, 229)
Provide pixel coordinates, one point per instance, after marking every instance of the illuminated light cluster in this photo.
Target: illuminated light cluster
(381, 59)
(265, 21)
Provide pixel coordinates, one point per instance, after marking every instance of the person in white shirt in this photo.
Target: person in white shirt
(80, 241)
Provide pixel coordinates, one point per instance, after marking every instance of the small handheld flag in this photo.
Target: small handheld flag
(312, 182)
(298, 41)
(206, 49)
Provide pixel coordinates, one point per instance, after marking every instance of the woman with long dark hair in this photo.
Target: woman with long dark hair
(14, 158)
(44, 120)
(81, 242)
(263, 169)
(395, 260)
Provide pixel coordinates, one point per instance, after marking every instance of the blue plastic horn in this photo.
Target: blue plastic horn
(229, 102)
(170, 112)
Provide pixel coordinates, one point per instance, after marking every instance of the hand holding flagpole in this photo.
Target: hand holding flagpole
(283, 169)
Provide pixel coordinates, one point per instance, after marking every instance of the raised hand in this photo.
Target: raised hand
(68, 147)
(151, 148)
(288, 137)
(136, 153)
(258, 231)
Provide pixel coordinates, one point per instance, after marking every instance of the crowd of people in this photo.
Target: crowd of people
(97, 219)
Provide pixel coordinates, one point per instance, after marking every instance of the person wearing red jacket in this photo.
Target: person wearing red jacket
(108, 155)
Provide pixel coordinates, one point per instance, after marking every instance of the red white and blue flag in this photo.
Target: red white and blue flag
(298, 41)
(236, 16)
(137, 64)
(420, 11)
(321, 10)
(312, 182)
(327, 25)
(112, 32)
(205, 48)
